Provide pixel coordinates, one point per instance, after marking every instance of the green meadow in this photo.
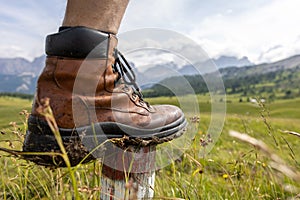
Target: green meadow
(233, 169)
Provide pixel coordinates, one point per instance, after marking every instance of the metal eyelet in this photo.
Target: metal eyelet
(141, 102)
(134, 97)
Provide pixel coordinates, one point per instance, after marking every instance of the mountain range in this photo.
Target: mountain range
(20, 75)
(18, 66)
(279, 80)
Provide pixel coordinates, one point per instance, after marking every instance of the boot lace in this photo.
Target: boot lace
(126, 74)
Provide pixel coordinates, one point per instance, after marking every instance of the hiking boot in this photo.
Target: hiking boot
(92, 91)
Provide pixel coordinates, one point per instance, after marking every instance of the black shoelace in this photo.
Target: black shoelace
(125, 71)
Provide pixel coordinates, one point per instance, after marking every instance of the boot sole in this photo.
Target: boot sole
(40, 138)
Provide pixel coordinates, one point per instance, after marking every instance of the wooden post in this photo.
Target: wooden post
(128, 173)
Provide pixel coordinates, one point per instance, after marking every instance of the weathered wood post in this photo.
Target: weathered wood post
(128, 173)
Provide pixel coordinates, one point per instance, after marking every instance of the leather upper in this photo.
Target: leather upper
(85, 91)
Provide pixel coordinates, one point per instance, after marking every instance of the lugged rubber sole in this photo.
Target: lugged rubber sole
(78, 142)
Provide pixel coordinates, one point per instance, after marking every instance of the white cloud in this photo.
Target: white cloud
(253, 32)
(158, 46)
(240, 28)
(24, 25)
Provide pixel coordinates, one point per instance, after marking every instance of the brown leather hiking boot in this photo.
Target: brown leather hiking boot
(93, 93)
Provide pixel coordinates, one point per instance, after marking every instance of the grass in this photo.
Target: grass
(10, 108)
(232, 170)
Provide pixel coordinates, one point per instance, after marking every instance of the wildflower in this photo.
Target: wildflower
(203, 142)
(25, 113)
(225, 176)
(13, 124)
(195, 119)
(210, 140)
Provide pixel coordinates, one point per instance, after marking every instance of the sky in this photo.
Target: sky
(262, 30)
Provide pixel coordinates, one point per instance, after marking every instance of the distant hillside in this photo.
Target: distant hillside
(20, 75)
(234, 72)
(23, 83)
(279, 79)
(220, 63)
(158, 72)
